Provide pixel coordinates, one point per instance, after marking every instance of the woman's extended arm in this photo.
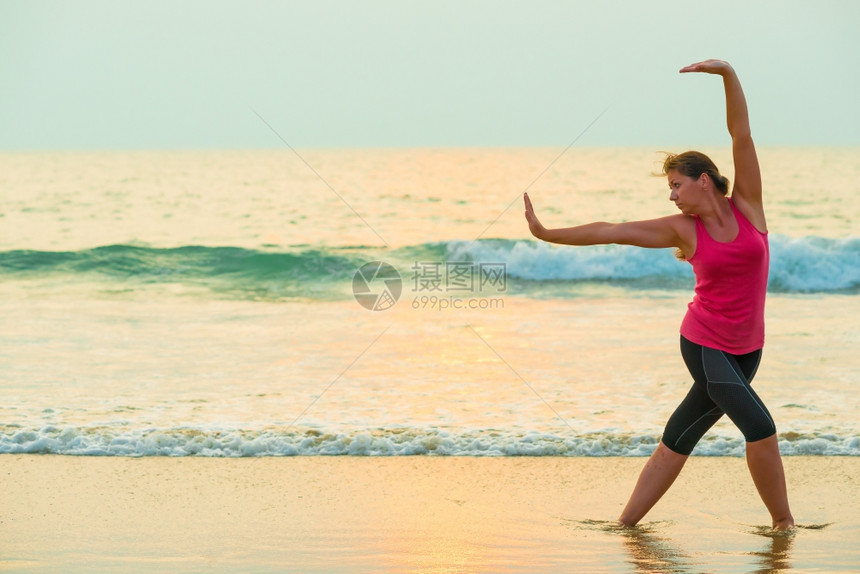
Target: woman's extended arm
(747, 188)
(655, 233)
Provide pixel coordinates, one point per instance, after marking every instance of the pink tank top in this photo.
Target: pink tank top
(727, 311)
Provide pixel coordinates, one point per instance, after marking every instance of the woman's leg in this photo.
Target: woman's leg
(692, 419)
(729, 386)
(659, 473)
(768, 475)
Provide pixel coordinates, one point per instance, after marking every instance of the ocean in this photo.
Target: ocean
(392, 302)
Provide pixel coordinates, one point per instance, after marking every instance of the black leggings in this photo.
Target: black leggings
(721, 384)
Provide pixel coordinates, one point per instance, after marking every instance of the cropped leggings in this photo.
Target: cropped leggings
(721, 385)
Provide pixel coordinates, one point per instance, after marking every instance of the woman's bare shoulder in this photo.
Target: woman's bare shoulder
(753, 213)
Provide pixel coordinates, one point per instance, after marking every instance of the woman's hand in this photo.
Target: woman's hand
(535, 226)
(708, 67)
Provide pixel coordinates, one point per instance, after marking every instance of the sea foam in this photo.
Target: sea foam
(798, 265)
(801, 265)
(187, 441)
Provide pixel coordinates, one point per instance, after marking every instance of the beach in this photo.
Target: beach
(272, 298)
(200, 369)
(413, 514)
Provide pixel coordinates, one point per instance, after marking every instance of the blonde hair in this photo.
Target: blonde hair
(694, 164)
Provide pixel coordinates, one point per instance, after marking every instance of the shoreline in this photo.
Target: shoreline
(413, 513)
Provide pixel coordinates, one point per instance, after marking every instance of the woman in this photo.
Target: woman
(724, 238)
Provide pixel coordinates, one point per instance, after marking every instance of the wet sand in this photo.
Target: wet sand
(413, 514)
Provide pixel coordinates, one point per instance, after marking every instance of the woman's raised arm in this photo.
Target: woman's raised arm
(747, 188)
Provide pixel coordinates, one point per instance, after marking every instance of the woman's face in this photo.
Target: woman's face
(685, 191)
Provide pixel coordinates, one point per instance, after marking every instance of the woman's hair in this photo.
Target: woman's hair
(694, 164)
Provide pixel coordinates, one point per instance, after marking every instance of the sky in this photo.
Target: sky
(349, 74)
